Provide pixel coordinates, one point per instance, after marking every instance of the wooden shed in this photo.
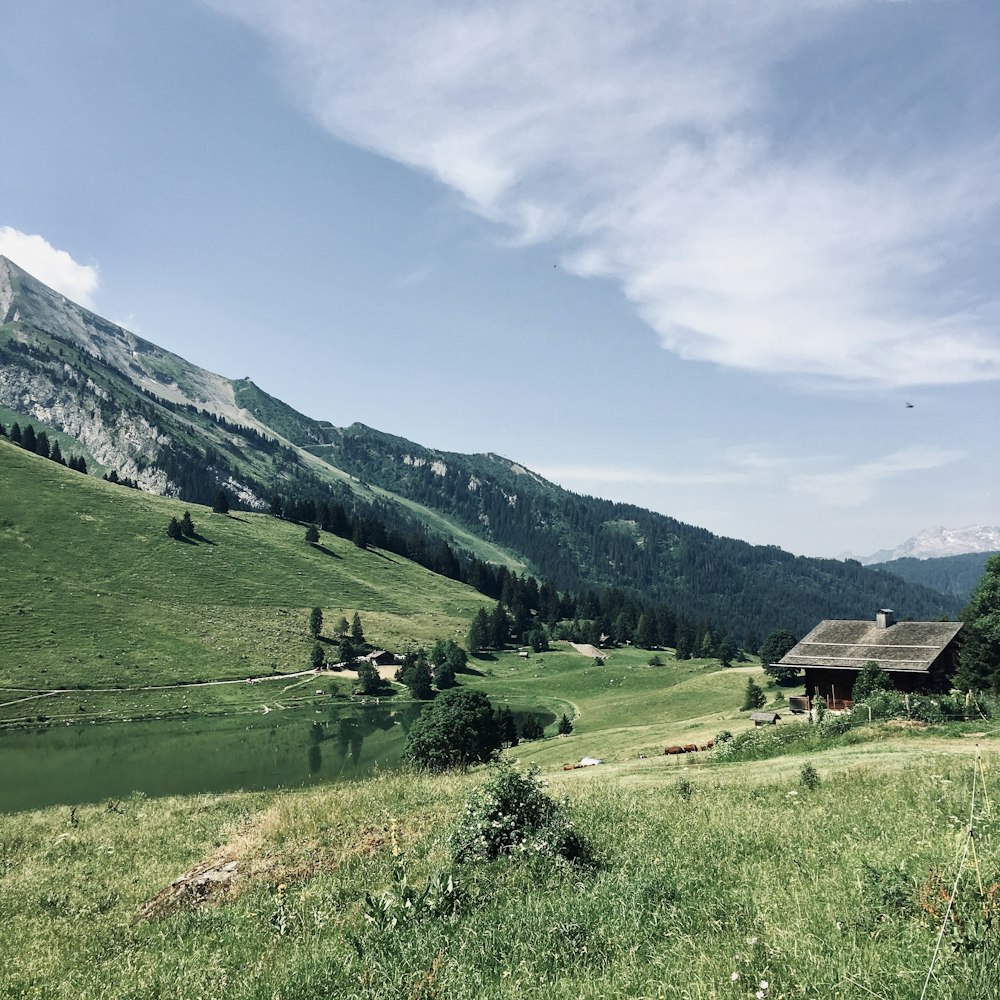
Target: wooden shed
(765, 718)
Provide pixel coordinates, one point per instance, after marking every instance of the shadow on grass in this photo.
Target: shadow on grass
(325, 550)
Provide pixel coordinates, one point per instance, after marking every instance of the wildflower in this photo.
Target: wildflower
(735, 977)
(763, 984)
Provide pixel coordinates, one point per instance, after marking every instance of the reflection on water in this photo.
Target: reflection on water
(85, 763)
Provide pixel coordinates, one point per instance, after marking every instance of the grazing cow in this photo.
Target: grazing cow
(673, 750)
(691, 748)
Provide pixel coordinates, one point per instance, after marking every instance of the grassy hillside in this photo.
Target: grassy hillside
(94, 593)
(742, 880)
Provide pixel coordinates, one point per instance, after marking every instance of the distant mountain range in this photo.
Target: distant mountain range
(933, 543)
(179, 430)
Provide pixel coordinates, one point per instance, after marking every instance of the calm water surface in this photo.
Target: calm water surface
(90, 763)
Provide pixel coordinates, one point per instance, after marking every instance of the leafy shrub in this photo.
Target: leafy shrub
(685, 789)
(809, 776)
(512, 815)
(456, 730)
(871, 678)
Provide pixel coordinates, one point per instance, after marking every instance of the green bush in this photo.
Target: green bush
(512, 815)
(809, 776)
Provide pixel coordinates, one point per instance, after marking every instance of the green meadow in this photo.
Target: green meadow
(94, 594)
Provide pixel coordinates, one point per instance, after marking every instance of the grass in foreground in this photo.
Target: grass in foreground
(831, 894)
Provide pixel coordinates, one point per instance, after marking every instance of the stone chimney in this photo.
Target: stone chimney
(885, 617)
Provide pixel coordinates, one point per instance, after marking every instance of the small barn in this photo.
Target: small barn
(917, 656)
(380, 658)
(765, 718)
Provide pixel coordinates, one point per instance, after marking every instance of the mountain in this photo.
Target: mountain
(955, 575)
(933, 543)
(181, 431)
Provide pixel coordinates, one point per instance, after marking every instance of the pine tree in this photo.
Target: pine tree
(312, 534)
(187, 526)
(418, 678)
(479, 632)
(531, 728)
(316, 622)
(42, 446)
(3, 430)
(357, 632)
(28, 439)
(15, 432)
(753, 696)
(221, 502)
(174, 529)
(506, 727)
(318, 657)
(56, 453)
(565, 726)
(646, 631)
(499, 627)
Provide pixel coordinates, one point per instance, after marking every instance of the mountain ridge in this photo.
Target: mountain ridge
(937, 543)
(182, 431)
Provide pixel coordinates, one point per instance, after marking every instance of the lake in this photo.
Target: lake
(83, 763)
(92, 763)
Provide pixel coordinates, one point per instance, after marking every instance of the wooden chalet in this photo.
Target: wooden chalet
(765, 718)
(917, 656)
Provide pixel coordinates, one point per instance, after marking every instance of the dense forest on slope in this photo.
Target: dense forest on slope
(579, 541)
(954, 575)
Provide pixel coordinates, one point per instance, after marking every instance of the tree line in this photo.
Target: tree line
(38, 443)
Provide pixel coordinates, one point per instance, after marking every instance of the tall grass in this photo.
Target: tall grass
(829, 893)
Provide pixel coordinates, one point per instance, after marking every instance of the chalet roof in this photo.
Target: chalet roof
(910, 646)
(764, 717)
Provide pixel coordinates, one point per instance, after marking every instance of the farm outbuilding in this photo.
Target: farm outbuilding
(765, 718)
(917, 656)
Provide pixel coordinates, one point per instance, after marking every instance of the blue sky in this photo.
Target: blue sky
(695, 255)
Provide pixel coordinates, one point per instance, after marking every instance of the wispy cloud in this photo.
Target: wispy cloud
(55, 267)
(855, 485)
(646, 139)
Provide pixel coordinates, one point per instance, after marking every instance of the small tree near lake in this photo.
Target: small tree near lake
(457, 729)
(369, 681)
(318, 657)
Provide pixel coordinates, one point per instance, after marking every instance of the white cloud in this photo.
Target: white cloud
(56, 268)
(643, 138)
(855, 485)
